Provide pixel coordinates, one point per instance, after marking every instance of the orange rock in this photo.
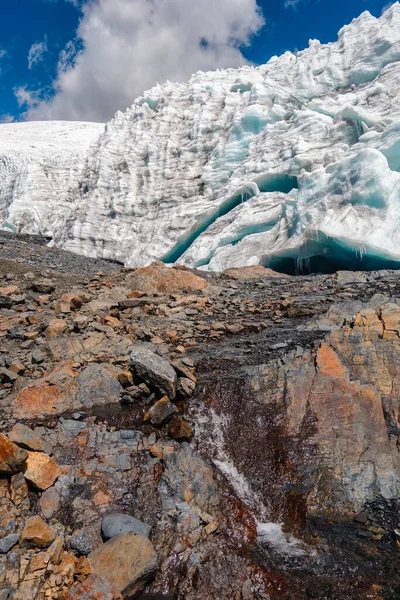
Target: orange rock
(55, 327)
(37, 533)
(37, 399)
(41, 470)
(9, 290)
(252, 272)
(157, 278)
(329, 364)
(112, 321)
(127, 560)
(93, 588)
(12, 458)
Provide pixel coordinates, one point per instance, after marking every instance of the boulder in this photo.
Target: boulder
(97, 387)
(50, 502)
(93, 588)
(12, 457)
(153, 369)
(80, 542)
(8, 542)
(37, 533)
(26, 438)
(161, 412)
(41, 470)
(252, 272)
(117, 523)
(55, 327)
(159, 279)
(128, 561)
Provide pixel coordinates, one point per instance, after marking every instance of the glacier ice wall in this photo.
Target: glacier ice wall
(294, 164)
(40, 168)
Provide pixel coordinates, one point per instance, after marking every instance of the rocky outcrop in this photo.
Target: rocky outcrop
(276, 455)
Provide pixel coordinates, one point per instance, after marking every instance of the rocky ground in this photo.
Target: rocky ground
(196, 436)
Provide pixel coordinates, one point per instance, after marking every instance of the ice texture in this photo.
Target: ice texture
(294, 164)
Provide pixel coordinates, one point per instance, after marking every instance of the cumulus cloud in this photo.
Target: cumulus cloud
(124, 47)
(37, 52)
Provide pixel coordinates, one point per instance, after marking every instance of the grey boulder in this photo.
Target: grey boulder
(8, 542)
(117, 523)
(154, 370)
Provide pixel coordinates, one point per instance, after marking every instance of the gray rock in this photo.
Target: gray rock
(185, 387)
(8, 542)
(188, 474)
(154, 370)
(97, 387)
(117, 523)
(70, 427)
(37, 356)
(80, 542)
(5, 593)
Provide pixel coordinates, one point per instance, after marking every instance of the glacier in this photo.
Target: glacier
(294, 165)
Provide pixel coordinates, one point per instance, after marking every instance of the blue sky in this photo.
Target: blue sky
(59, 62)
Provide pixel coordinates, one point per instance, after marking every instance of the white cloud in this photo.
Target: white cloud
(7, 118)
(27, 98)
(37, 52)
(123, 47)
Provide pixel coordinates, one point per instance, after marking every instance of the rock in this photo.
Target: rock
(185, 387)
(5, 593)
(8, 542)
(161, 412)
(97, 387)
(252, 272)
(12, 458)
(26, 438)
(80, 542)
(93, 588)
(37, 533)
(361, 517)
(41, 470)
(180, 429)
(49, 502)
(188, 478)
(55, 327)
(129, 561)
(117, 523)
(154, 370)
(343, 277)
(235, 328)
(37, 357)
(17, 367)
(157, 278)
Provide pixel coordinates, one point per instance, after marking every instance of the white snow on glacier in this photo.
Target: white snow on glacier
(294, 164)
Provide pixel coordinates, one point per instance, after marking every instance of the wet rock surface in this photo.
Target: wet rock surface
(261, 457)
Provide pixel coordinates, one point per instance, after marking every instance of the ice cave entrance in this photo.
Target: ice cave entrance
(327, 256)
